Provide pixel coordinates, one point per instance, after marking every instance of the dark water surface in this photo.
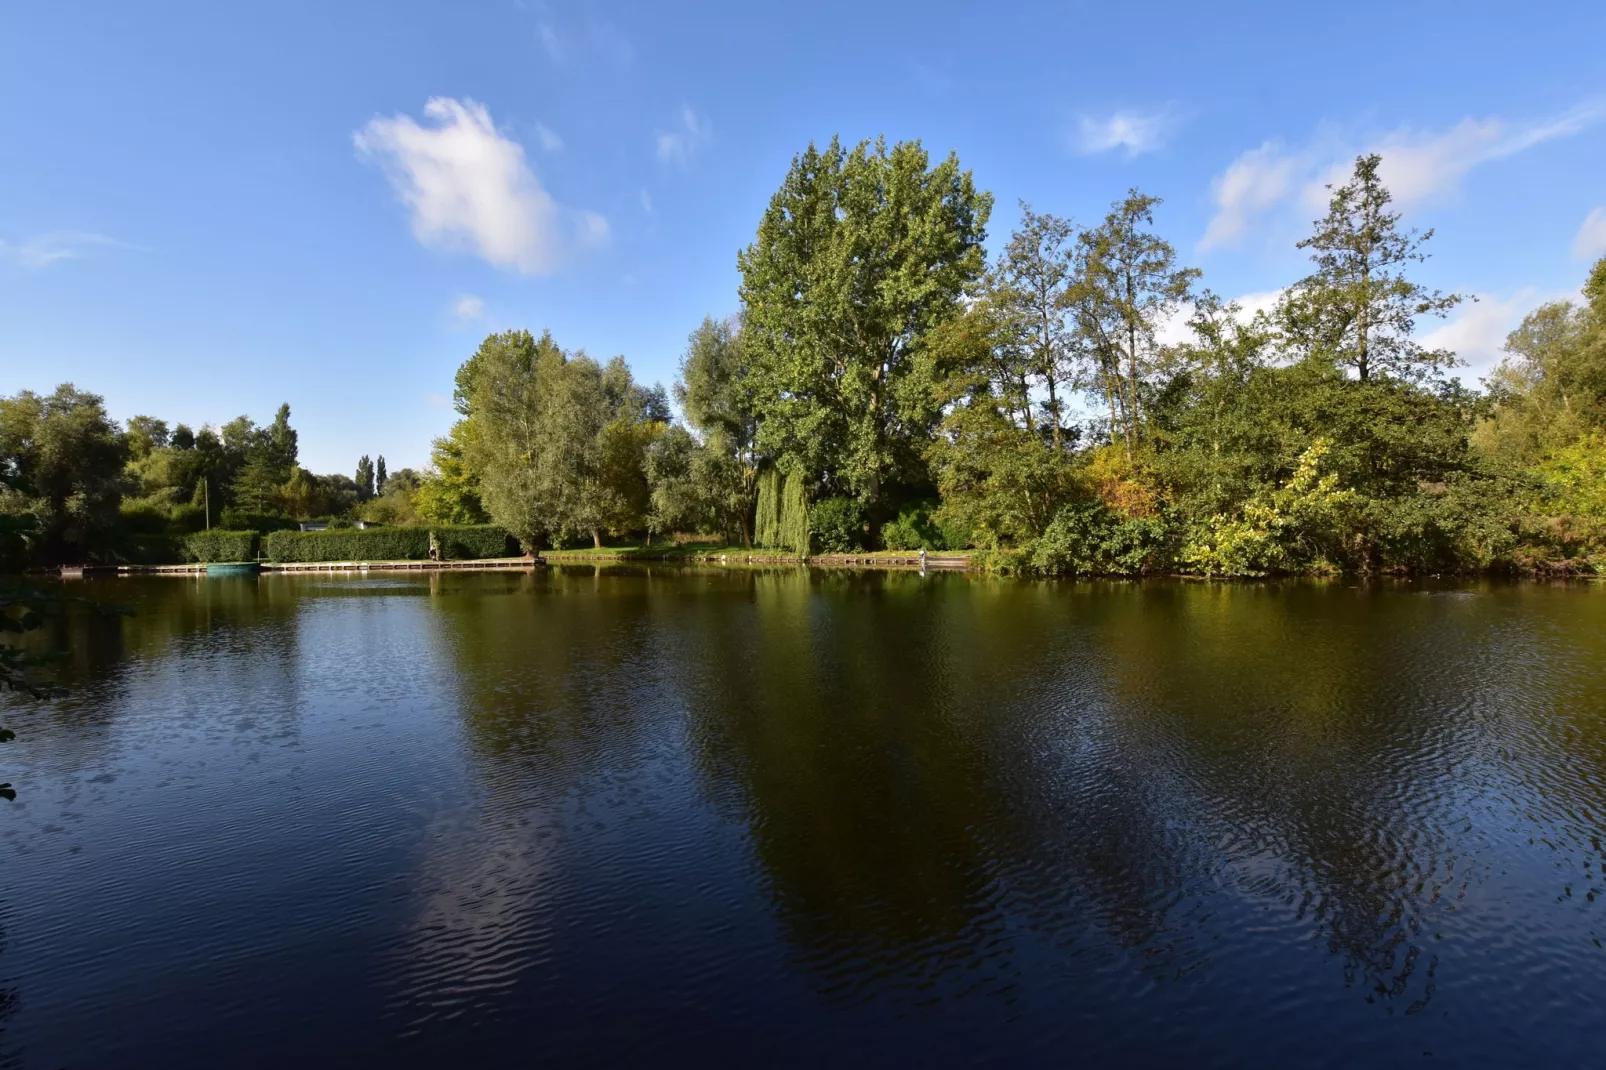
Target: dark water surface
(579, 817)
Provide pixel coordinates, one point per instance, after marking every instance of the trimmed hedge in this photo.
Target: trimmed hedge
(386, 544)
(219, 545)
(472, 542)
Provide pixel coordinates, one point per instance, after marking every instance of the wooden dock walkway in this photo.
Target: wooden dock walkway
(934, 562)
(504, 563)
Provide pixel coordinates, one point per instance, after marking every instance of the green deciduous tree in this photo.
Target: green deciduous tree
(1000, 480)
(450, 490)
(1550, 391)
(1128, 284)
(1032, 287)
(716, 392)
(559, 441)
(859, 255)
(61, 462)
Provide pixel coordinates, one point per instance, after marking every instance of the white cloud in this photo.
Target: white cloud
(468, 307)
(1476, 333)
(550, 42)
(1175, 331)
(1136, 132)
(1253, 183)
(680, 144)
(646, 201)
(42, 250)
(470, 187)
(1418, 166)
(550, 141)
(1591, 239)
(593, 230)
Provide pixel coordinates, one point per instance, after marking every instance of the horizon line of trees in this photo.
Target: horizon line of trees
(74, 486)
(885, 384)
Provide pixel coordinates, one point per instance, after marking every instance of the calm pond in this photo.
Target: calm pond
(615, 816)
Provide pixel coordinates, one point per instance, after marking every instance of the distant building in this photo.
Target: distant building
(323, 525)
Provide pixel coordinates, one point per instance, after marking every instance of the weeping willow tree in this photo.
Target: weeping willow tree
(782, 518)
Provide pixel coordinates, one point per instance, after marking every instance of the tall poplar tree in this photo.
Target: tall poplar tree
(365, 478)
(859, 255)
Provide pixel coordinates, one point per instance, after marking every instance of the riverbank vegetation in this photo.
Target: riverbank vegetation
(886, 385)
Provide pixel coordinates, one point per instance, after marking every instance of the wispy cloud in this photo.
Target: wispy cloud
(1175, 330)
(469, 187)
(591, 38)
(1418, 166)
(1254, 182)
(1136, 132)
(43, 250)
(551, 42)
(1477, 333)
(646, 201)
(1590, 241)
(468, 307)
(550, 141)
(679, 144)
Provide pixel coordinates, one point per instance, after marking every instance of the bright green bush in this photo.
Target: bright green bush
(837, 525)
(219, 545)
(386, 544)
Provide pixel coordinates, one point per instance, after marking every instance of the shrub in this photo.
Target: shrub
(186, 518)
(1091, 539)
(915, 529)
(1302, 526)
(220, 545)
(142, 517)
(837, 525)
(472, 542)
(386, 544)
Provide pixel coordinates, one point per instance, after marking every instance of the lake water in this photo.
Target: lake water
(598, 817)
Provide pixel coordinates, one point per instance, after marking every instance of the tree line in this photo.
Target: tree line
(75, 486)
(885, 384)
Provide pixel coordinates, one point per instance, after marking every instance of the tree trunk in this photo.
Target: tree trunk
(1054, 411)
(596, 539)
(1132, 415)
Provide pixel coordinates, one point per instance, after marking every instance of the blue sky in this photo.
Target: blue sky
(206, 209)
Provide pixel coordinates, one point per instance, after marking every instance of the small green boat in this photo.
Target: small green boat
(234, 568)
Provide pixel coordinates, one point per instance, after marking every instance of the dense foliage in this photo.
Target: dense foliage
(221, 545)
(883, 385)
(387, 544)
